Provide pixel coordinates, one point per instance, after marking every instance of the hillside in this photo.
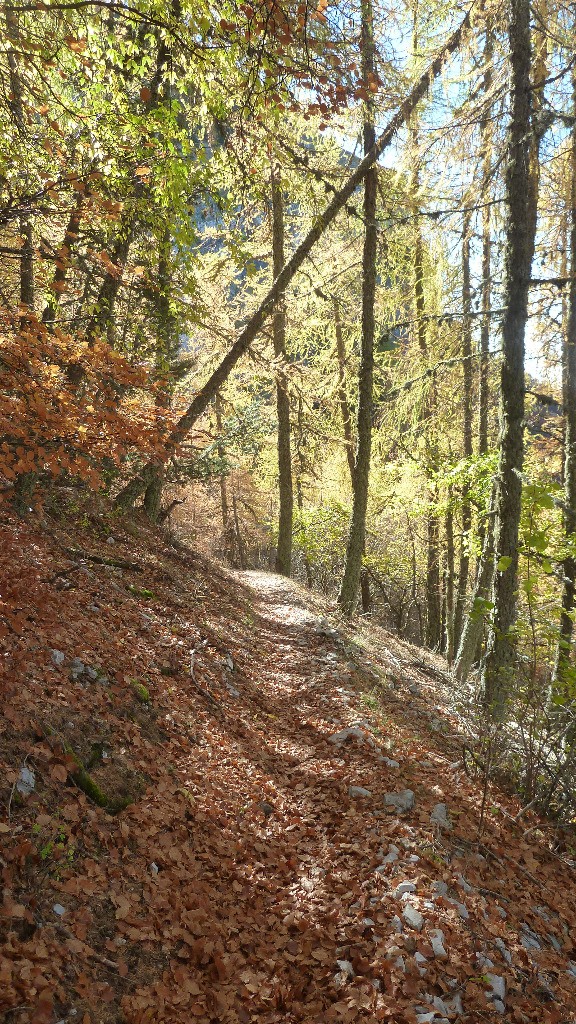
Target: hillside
(255, 858)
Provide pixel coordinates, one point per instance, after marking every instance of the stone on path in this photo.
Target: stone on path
(437, 943)
(440, 817)
(357, 792)
(403, 800)
(413, 917)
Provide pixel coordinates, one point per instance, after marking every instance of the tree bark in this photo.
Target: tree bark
(135, 487)
(474, 623)
(57, 286)
(521, 199)
(166, 346)
(449, 584)
(484, 369)
(357, 533)
(285, 490)
(569, 378)
(342, 397)
(464, 567)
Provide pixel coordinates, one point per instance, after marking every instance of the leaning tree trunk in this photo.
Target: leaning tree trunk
(569, 367)
(521, 200)
(357, 533)
(285, 489)
(137, 485)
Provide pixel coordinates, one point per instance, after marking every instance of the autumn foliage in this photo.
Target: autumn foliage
(69, 407)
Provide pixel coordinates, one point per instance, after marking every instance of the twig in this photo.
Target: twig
(201, 690)
(89, 952)
(118, 563)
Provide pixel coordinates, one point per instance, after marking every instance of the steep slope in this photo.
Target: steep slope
(289, 833)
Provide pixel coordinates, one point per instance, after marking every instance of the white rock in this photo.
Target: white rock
(440, 817)
(346, 967)
(404, 887)
(413, 917)
(501, 945)
(396, 924)
(465, 884)
(498, 985)
(403, 800)
(392, 854)
(454, 1004)
(461, 908)
(26, 783)
(499, 1006)
(440, 888)
(352, 732)
(529, 939)
(154, 869)
(389, 762)
(357, 792)
(420, 958)
(58, 657)
(59, 909)
(437, 943)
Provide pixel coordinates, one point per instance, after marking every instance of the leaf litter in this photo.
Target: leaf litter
(243, 867)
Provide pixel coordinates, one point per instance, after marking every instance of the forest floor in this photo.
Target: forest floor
(267, 868)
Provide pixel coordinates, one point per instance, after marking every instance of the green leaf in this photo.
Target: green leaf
(503, 562)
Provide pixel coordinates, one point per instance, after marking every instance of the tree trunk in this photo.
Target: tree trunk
(166, 345)
(357, 534)
(224, 507)
(474, 624)
(135, 487)
(365, 594)
(484, 369)
(286, 495)
(342, 397)
(464, 568)
(569, 379)
(449, 584)
(521, 199)
(58, 281)
(16, 105)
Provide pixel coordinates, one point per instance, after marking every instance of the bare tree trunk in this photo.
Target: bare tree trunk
(59, 279)
(16, 104)
(569, 375)
(299, 476)
(342, 397)
(285, 490)
(464, 569)
(166, 346)
(357, 534)
(365, 594)
(224, 507)
(474, 623)
(135, 487)
(239, 541)
(521, 200)
(486, 129)
(449, 584)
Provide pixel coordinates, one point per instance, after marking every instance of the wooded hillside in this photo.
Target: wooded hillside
(294, 284)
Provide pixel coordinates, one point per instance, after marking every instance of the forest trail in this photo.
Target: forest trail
(303, 843)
